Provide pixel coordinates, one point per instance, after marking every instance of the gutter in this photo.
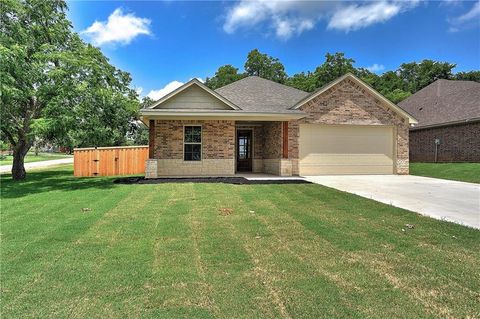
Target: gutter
(465, 121)
(147, 114)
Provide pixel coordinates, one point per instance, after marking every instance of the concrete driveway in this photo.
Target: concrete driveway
(457, 202)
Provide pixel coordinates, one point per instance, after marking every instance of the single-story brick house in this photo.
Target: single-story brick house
(256, 125)
(448, 128)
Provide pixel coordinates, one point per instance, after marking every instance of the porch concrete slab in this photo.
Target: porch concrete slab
(453, 201)
(262, 176)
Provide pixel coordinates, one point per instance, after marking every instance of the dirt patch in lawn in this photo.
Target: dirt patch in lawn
(225, 180)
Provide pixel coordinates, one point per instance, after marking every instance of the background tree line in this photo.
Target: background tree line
(395, 85)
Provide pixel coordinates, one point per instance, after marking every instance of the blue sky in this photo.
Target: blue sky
(166, 43)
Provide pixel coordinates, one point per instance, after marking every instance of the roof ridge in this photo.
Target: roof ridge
(263, 79)
(232, 83)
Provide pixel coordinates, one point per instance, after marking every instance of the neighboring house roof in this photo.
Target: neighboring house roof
(444, 102)
(255, 94)
(352, 77)
(187, 85)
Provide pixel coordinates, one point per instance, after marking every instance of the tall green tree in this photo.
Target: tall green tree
(225, 74)
(335, 66)
(416, 76)
(54, 85)
(265, 66)
(303, 81)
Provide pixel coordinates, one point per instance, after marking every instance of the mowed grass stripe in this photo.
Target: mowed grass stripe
(419, 272)
(228, 266)
(175, 287)
(361, 288)
(295, 289)
(40, 260)
(121, 259)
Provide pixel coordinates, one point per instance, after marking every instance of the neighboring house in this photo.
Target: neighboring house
(448, 114)
(256, 125)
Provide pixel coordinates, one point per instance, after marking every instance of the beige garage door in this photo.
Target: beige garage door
(345, 149)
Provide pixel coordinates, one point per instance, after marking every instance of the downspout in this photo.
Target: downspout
(437, 142)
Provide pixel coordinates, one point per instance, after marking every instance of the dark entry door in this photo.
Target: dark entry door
(244, 151)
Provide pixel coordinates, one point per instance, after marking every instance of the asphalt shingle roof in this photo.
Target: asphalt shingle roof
(444, 101)
(254, 94)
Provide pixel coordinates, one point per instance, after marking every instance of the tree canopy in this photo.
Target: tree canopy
(55, 86)
(395, 85)
(265, 66)
(225, 75)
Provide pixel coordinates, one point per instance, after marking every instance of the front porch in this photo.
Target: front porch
(220, 148)
(262, 147)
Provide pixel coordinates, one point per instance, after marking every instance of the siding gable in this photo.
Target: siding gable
(194, 98)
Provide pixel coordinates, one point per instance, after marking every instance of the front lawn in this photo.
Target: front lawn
(464, 172)
(229, 251)
(31, 157)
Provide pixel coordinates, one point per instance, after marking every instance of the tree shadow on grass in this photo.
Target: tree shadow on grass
(60, 179)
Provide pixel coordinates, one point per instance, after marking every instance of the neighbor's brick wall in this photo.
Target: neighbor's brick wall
(458, 143)
(349, 103)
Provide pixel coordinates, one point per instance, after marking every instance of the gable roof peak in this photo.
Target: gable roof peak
(354, 78)
(197, 82)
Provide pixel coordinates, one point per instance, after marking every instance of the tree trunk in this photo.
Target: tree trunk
(18, 167)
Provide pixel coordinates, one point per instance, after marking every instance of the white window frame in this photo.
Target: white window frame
(190, 143)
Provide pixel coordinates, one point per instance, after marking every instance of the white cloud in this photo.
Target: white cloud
(139, 90)
(119, 28)
(285, 18)
(284, 29)
(375, 68)
(354, 17)
(289, 18)
(467, 19)
(157, 94)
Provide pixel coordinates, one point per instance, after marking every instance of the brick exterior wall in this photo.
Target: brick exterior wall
(349, 103)
(218, 139)
(218, 149)
(272, 140)
(458, 143)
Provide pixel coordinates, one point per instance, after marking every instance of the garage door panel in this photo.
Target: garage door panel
(312, 170)
(345, 149)
(347, 159)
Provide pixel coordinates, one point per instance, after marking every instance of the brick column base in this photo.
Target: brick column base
(151, 168)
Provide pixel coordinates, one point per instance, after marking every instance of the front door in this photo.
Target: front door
(244, 151)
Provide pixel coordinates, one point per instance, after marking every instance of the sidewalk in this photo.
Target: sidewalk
(34, 165)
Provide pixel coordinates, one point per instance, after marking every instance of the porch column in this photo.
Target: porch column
(285, 140)
(151, 139)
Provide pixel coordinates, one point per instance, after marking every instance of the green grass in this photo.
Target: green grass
(464, 172)
(165, 251)
(31, 157)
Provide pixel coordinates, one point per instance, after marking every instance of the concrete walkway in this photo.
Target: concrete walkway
(457, 202)
(42, 164)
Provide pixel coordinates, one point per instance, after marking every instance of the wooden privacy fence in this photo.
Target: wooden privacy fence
(107, 161)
